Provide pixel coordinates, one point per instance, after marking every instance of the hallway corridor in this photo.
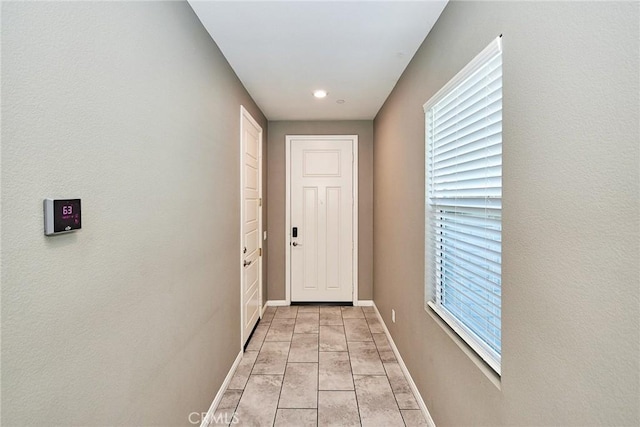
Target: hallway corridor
(326, 366)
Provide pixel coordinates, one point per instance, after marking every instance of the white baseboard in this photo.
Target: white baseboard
(412, 384)
(216, 401)
(277, 303)
(364, 303)
(264, 308)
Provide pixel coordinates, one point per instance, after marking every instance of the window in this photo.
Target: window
(464, 203)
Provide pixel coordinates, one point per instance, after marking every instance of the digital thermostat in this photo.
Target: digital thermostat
(61, 216)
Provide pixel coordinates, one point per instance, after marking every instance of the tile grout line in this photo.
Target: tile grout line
(394, 392)
(318, 377)
(235, 408)
(286, 363)
(353, 380)
(387, 375)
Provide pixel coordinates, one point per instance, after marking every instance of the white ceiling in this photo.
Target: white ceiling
(283, 50)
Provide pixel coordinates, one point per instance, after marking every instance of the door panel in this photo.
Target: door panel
(333, 233)
(321, 163)
(308, 233)
(321, 186)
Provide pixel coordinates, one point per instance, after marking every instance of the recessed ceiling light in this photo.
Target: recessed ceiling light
(320, 93)
(340, 101)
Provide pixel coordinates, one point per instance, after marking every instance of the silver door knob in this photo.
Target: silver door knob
(296, 244)
(247, 263)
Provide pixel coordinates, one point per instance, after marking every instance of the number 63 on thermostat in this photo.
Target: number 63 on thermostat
(61, 216)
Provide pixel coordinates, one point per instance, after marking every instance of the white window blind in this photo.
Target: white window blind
(464, 203)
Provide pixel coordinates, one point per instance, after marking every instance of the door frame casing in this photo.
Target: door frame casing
(244, 114)
(287, 234)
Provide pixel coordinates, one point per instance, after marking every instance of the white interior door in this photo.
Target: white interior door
(321, 218)
(251, 244)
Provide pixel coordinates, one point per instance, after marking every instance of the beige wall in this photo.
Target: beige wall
(276, 189)
(135, 319)
(570, 219)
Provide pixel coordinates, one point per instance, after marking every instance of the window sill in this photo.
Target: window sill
(486, 369)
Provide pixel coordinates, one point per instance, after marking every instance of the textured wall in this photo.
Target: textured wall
(135, 319)
(276, 189)
(571, 216)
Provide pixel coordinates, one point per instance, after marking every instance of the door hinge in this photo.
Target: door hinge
(260, 201)
(259, 251)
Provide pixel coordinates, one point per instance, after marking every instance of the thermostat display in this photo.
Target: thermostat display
(61, 216)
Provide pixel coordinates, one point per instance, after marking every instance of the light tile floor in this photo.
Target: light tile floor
(319, 366)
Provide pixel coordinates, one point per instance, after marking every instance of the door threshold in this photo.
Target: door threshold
(324, 303)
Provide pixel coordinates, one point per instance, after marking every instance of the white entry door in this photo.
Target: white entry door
(251, 233)
(321, 234)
